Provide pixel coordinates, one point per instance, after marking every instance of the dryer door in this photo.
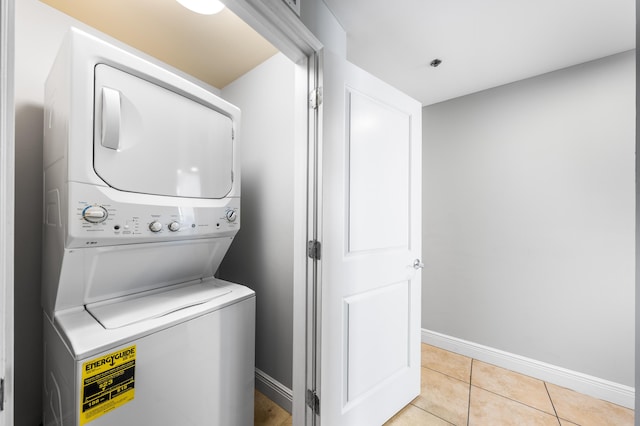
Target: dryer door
(151, 140)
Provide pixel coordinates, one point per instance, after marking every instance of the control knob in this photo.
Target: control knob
(155, 226)
(174, 226)
(231, 215)
(95, 214)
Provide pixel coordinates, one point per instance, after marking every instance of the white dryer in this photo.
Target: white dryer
(141, 203)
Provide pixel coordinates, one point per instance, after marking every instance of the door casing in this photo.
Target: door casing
(7, 131)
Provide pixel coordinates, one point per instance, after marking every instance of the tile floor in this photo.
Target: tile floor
(457, 390)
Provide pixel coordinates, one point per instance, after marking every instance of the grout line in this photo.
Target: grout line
(517, 402)
(433, 414)
(445, 374)
(552, 404)
(555, 413)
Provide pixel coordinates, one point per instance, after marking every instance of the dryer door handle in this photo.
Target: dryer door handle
(110, 118)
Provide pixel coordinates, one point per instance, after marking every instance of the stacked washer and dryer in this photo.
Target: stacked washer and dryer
(141, 203)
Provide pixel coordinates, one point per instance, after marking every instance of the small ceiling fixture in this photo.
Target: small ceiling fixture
(203, 7)
(436, 62)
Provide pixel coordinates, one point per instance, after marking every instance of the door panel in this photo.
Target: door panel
(379, 165)
(371, 231)
(377, 345)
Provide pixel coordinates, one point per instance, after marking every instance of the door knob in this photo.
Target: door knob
(417, 264)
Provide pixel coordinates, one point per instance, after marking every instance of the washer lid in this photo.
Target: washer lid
(151, 140)
(118, 314)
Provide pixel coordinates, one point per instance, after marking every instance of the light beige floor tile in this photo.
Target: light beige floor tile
(444, 397)
(449, 363)
(267, 412)
(586, 411)
(512, 385)
(567, 423)
(413, 416)
(490, 409)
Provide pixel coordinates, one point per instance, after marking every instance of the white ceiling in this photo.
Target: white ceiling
(482, 43)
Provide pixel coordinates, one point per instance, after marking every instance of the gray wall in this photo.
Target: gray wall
(528, 229)
(261, 255)
(319, 19)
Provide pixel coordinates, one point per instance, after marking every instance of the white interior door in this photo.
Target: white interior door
(371, 232)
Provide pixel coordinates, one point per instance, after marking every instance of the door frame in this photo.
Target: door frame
(278, 23)
(7, 131)
(310, 409)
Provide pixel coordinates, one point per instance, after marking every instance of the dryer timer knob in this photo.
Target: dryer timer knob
(231, 215)
(95, 214)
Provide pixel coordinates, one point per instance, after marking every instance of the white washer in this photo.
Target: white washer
(142, 201)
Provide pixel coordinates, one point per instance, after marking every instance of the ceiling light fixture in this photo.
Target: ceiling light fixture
(203, 7)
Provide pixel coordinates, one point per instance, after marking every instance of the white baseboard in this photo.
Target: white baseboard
(583, 383)
(274, 390)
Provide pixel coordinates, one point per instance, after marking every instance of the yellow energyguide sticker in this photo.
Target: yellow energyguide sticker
(107, 383)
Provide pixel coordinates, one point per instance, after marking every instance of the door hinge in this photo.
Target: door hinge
(1, 394)
(314, 249)
(313, 401)
(315, 98)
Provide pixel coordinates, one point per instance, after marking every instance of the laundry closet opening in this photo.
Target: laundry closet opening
(240, 66)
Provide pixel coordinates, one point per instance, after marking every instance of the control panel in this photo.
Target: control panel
(96, 219)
